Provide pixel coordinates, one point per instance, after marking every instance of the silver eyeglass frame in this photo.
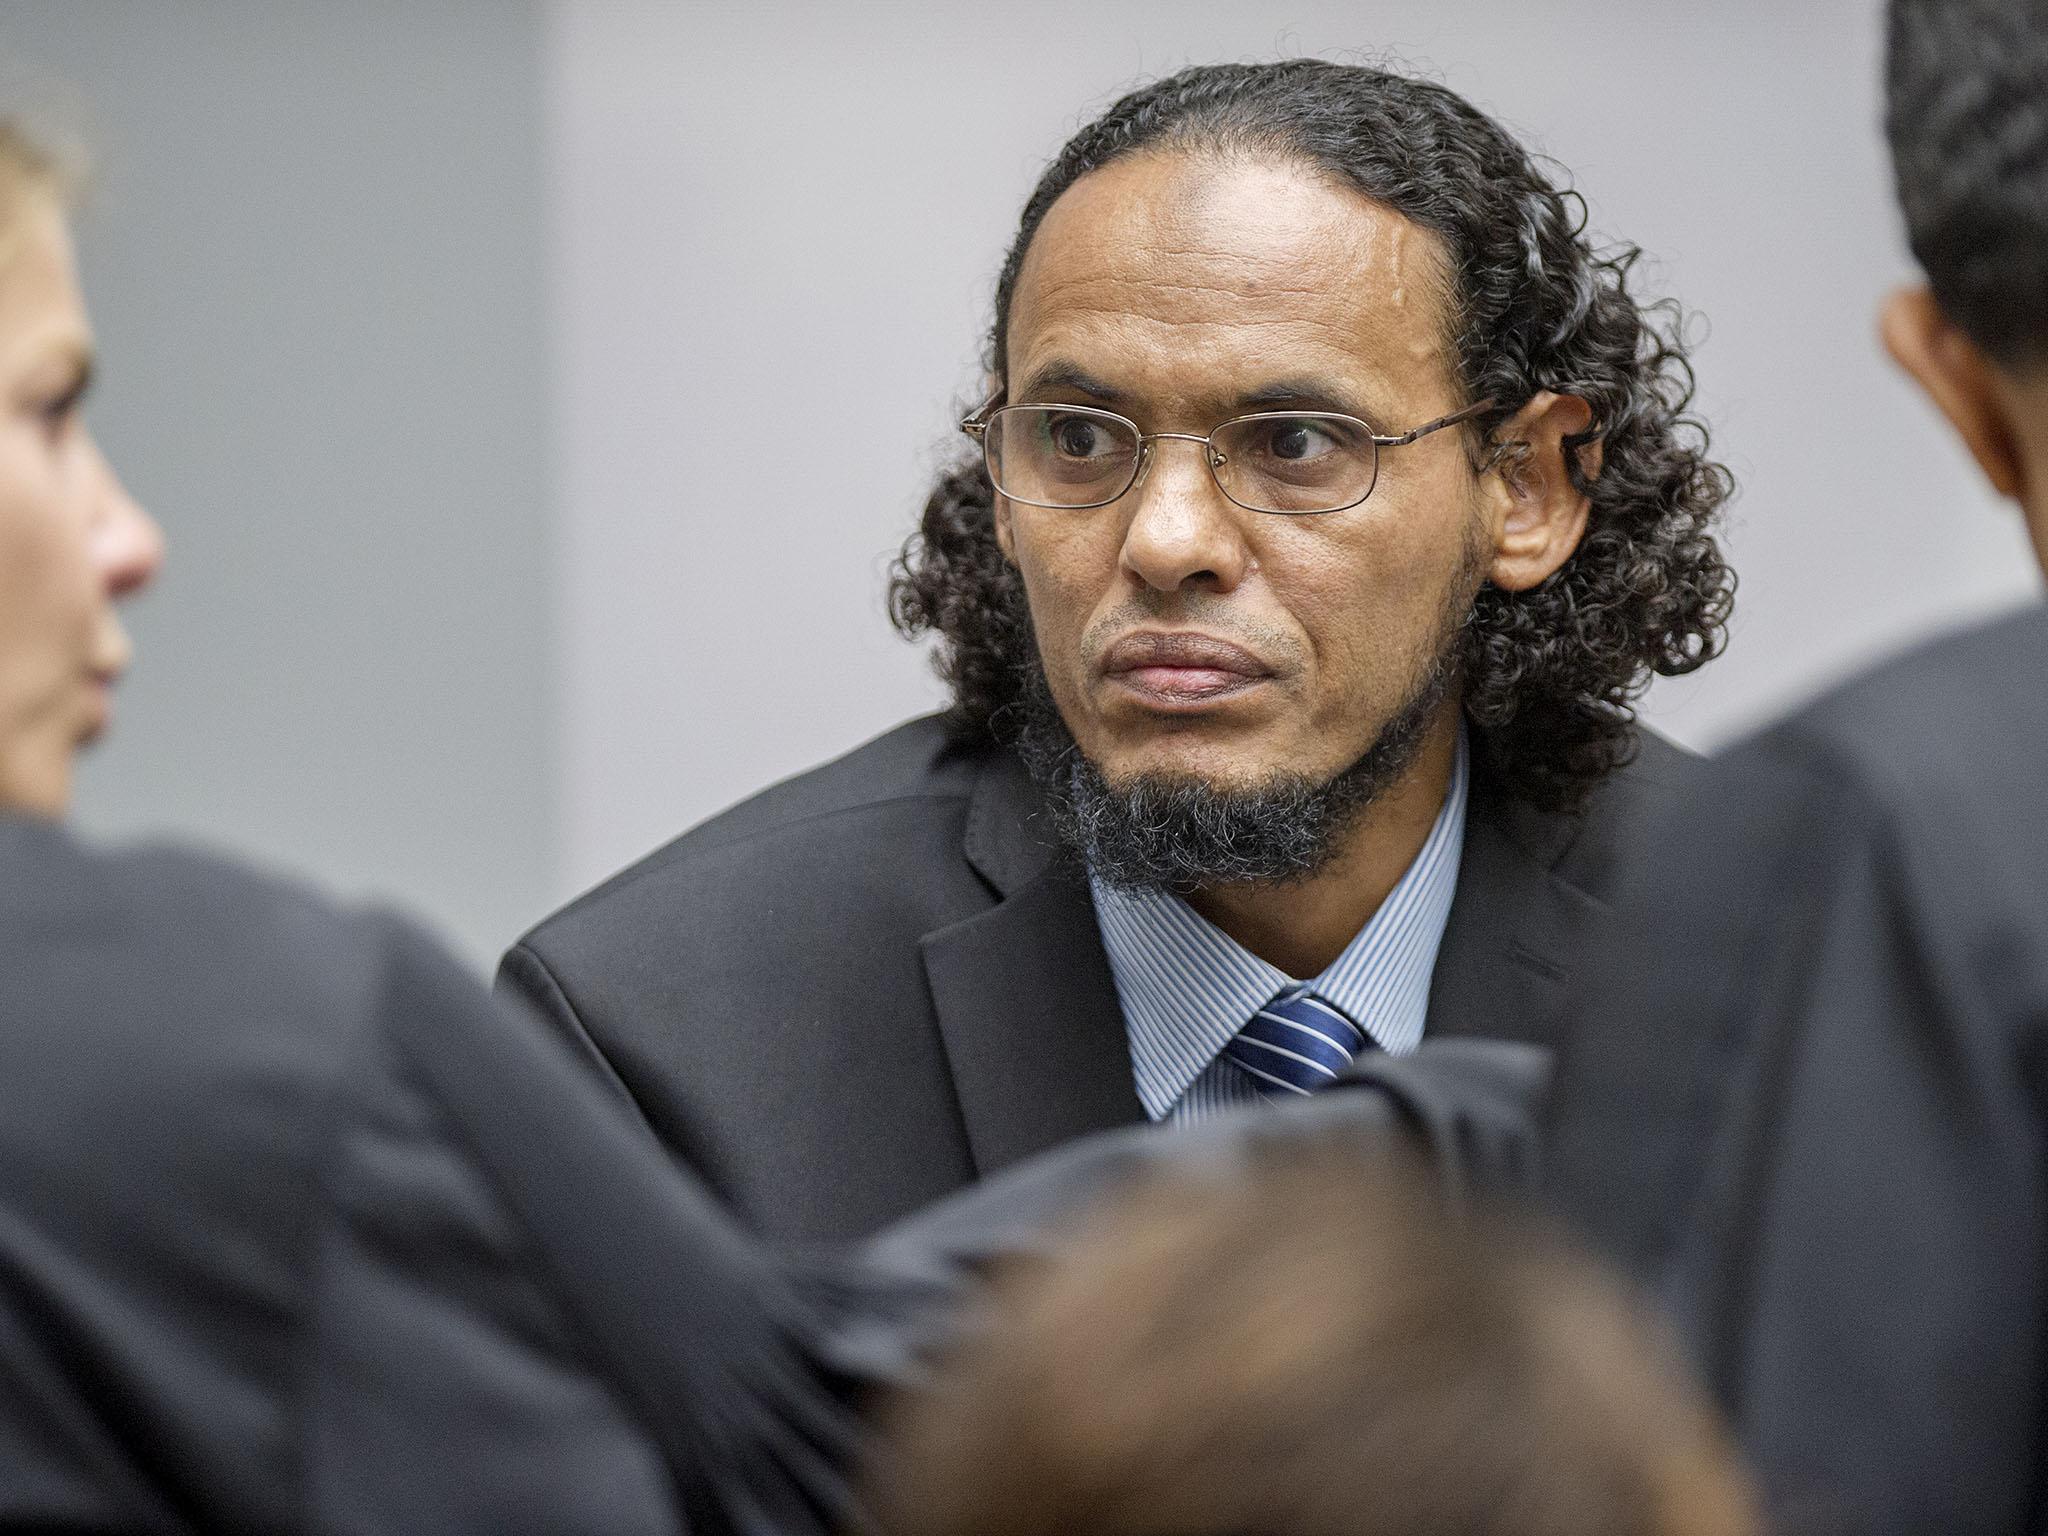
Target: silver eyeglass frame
(976, 424)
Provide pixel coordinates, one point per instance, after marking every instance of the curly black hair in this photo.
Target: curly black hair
(1966, 111)
(1549, 674)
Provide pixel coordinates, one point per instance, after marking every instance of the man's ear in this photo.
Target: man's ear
(1541, 513)
(1959, 378)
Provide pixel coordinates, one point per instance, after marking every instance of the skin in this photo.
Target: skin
(72, 542)
(2000, 414)
(1182, 286)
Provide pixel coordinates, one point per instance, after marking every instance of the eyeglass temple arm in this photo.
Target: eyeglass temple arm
(975, 422)
(1426, 428)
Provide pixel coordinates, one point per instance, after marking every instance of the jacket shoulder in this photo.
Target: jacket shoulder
(1660, 773)
(185, 921)
(236, 1173)
(186, 1046)
(920, 771)
(1965, 713)
(190, 967)
(1596, 840)
(1943, 753)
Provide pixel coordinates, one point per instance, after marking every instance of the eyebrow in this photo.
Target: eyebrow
(1303, 394)
(1282, 394)
(1072, 378)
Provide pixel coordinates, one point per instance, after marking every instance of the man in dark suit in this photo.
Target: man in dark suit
(1806, 1100)
(1275, 733)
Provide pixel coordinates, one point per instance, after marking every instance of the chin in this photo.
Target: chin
(43, 795)
(1196, 763)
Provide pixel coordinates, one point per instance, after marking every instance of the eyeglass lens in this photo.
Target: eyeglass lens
(1287, 463)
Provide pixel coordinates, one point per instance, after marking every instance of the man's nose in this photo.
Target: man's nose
(1183, 528)
(128, 546)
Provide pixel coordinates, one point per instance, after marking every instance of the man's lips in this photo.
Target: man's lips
(1181, 667)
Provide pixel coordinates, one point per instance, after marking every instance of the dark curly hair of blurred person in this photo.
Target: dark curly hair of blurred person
(1967, 116)
(1548, 675)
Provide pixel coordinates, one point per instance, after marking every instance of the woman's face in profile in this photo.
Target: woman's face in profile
(71, 540)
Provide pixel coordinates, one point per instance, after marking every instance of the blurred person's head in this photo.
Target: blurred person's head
(1967, 116)
(71, 541)
(1329, 241)
(1312, 1344)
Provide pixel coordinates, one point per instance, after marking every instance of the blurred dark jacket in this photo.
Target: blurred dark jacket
(1806, 1100)
(260, 1269)
(879, 981)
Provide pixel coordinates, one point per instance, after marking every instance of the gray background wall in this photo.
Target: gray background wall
(535, 392)
(314, 258)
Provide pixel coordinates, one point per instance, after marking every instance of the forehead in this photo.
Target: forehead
(1193, 274)
(42, 313)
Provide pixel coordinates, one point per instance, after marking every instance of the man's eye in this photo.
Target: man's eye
(1077, 437)
(1297, 440)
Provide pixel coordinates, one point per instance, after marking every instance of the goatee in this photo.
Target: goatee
(1180, 833)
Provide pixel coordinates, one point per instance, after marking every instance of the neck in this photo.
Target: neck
(1303, 925)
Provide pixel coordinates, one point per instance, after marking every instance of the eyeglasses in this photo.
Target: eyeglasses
(1286, 462)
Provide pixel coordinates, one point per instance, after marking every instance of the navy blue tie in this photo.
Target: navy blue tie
(1297, 1043)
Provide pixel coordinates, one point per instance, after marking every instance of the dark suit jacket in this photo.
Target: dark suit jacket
(265, 1261)
(300, 1232)
(1806, 1099)
(878, 981)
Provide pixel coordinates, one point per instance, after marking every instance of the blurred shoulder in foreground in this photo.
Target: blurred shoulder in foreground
(262, 1269)
(1805, 1099)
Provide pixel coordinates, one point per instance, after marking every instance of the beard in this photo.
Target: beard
(1180, 833)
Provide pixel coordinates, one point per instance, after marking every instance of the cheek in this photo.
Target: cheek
(1068, 565)
(50, 598)
(1374, 603)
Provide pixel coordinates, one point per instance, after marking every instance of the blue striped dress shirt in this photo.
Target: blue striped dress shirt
(1186, 986)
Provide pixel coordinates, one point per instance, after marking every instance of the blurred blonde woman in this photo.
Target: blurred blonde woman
(72, 541)
(253, 1276)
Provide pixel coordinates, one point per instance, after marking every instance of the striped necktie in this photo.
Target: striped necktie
(1297, 1043)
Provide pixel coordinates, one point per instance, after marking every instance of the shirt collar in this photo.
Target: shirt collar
(1186, 986)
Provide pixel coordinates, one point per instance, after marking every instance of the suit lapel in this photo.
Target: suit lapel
(1027, 1008)
(1514, 927)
